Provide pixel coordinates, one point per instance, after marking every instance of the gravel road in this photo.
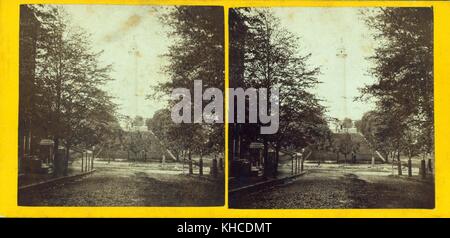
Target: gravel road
(341, 188)
(129, 186)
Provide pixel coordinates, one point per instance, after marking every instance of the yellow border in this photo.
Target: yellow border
(9, 61)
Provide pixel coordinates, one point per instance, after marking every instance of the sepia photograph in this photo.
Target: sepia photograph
(351, 95)
(195, 113)
(96, 125)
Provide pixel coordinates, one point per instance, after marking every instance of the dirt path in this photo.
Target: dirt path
(129, 187)
(338, 188)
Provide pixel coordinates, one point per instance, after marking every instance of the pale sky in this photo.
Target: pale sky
(323, 32)
(133, 40)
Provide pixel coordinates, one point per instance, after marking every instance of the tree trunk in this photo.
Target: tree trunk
(277, 158)
(191, 170)
(214, 169)
(430, 166)
(266, 158)
(200, 165)
(423, 168)
(409, 167)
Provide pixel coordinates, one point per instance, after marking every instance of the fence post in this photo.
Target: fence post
(87, 161)
(301, 166)
(295, 164)
(92, 161)
(298, 163)
(82, 162)
(292, 165)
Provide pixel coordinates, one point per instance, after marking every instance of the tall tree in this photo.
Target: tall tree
(404, 73)
(29, 25)
(273, 58)
(197, 54)
(72, 106)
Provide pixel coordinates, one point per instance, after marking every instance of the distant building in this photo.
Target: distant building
(138, 128)
(337, 126)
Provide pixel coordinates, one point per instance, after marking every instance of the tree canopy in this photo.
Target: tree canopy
(196, 54)
(403, 69)
(273, 58)
(70, 107)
